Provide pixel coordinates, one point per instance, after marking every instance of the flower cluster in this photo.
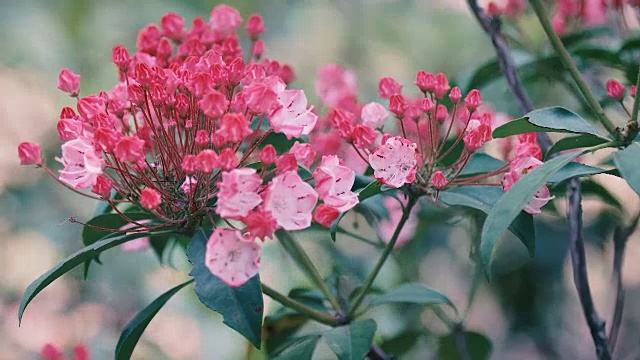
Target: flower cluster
(183, 136)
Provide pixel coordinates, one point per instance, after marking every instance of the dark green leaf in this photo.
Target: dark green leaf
(353, 341)
(481, 163)
(551, 119)
(575, 142)
(627, 162)
(401, 343)
(301, 349)
(461, 345)
(85, 254)
(512, 202)
(412, 293)
(484, 198)
(241, 307)
(131, 334)
(280, 327)
(574, 169)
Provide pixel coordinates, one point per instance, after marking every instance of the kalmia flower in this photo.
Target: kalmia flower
(291, 201)
(69, 82)
(394, 163)
(334, 181)
(232, 257)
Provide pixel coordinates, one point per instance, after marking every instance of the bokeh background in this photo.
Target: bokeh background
(529, 312)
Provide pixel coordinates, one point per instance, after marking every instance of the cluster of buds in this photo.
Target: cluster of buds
(617, 91)
(182, 135)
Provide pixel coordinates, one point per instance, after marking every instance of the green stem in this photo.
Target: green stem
(383, 258)
(570, 65)
(359, 237)
(636, 101)
(299, 307)
(300, 256)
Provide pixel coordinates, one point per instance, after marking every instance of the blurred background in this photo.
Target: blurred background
(529, 312)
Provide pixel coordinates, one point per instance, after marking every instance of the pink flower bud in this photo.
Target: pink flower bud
(150, 198)
(173, 26)
(398, 105)
(51, 352)
(255, 26)
(374, 114)
(129, 148)
(182, 104)
(364, 136)
(286, 163)
(69, 129)
(455, 95)
(494, 9)
(121, 57)
(89, 107)
(164, 49)
(258, 49)
(326, 215)
(30, 154)
(148, 39)
(442, 113)
(102, 187)
(105, 139)
(473, 100)
(389, 86)
(144, 74)
(225, 19)
(268, 155)
(189, 164)
(81, 352)
(287, 74)
(427, 105)
(425, 81)
(260, 224)
(68, 113)
(441, 87)
(234, 127)
(69, 82)
(207, 161)
(203, 138)
(228, 160)
(438, 180)
(615, 90)
(213, 104)
(304, 153)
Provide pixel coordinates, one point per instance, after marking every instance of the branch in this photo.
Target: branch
(580, 276)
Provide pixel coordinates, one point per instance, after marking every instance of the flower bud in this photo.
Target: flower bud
(398, 105)
(425, 81)
(473, 100)
(438, 180)
(389, 86)
(325, 215)
(615, 90)
(30, 154)
(255, 26)
(150, 199)
(69, 82)
(455, 95)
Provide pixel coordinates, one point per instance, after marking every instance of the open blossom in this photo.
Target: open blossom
(519, 168)
(291, 201)
(231, 257)
(293, 118)
(374, 114)
(303, 153)
(394, 162)
(82, 164)
(334, 181)
(238, 193)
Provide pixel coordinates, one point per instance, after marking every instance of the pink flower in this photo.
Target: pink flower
(325, 215)
(425, 81)
(69, 82)
(374, 114)
(304, 153)
(438, 180)
(387, 226)
(102, 187)
(234, 127)
(213, 104)
(364, 136)
(30, 154)
(519, 168)
(89, 107)
(225, 19)
(293, 118)
(291, 201)
(189, 185)
(260, 224)
(231, 257)
(442, 86)
(395, 161)
(207, 161)
(456, 94)
(173, 26)
(477, 134)
(129, 148)
(238, 193)
(261, 96)
(189, 164)
(333, 183)
(150, 198)
(228, 159)
(335, 85)
(82, 165)
(389, 86)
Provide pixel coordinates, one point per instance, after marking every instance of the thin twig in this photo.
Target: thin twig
(580, 276)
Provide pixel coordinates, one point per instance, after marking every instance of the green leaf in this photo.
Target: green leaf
(412, 293)
(512, 202)
(575, 142)
(77, 258)
(463, 345)
(301, 349)
(484, 198)
(551, 119)
(481, 163)
(374, 188)
(627, 162)
(577, 37)
(574, 169)
(241, 307)
(108, 221)
(353, 341)
(131, 334)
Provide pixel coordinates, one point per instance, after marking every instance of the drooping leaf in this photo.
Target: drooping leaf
(300, 349)
(132, 332)
(627, 162)
(575, 142)
(461, 345)
(512, 202)
(412, 293)
(241, 307)
(481, 163)
(353, 341)
(73, 260)
(484, 198)
(551, 119)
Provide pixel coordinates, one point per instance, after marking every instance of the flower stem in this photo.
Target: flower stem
(570, 65)
(383, 258)
(300, 256)
(300, 307)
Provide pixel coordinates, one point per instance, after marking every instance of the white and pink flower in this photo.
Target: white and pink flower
(334, 181)
(395, 161)
(291, 201)
(231, 257)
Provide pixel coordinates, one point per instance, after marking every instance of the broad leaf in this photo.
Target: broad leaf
(512, 202)
(85, 254)
(480, 164)
(412, 293)
(464, 345)
(353, 341)
(241, 307)
(551, 119)
(627, 162)
(574, 169)
(300, 349)
(131, 334)
(575, 142)
(484, 198)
